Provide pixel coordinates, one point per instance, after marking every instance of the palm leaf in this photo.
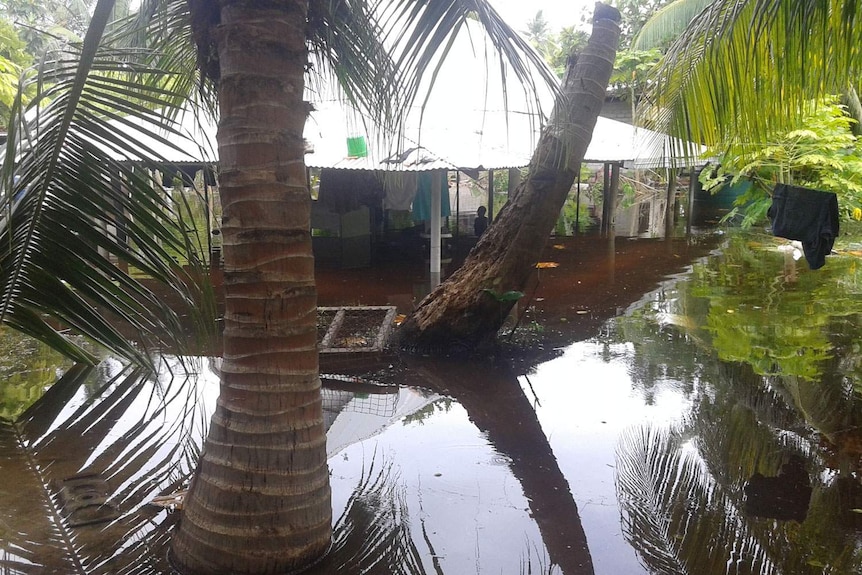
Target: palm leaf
(668, 23)
(159, 37)
(372, 534)
(675, 515)
(70, 196)
(139, 434)
(422, 33)
(719, 79)
(347, 56)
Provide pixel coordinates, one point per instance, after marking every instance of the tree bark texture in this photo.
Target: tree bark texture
(469, 307)
(259, 501)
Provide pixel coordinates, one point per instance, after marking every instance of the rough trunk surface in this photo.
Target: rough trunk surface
(259, 502)
(470, 306)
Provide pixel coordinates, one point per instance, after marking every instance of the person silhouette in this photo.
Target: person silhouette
(480, 224)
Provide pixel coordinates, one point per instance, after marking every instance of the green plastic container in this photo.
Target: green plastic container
(356, 147)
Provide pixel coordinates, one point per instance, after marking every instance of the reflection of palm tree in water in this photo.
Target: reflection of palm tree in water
(157, 444)
(372, 535)
(497, 406)
(681, 486)
(122, 433)
(139, 438)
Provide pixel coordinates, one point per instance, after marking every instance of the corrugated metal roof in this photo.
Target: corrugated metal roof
(482, 139)
(474, 119)
(470, 140)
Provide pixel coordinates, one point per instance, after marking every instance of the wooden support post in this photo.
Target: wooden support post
(606, 184)
(692, 189)
(490, 196)
(457, 205)
(669, 205)
(609, 202)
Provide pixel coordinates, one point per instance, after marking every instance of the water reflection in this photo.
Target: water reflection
(27, 369)
(139, 437)
(713, 427)
(772, 435)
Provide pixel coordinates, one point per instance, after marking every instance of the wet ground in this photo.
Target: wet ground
(684, 406)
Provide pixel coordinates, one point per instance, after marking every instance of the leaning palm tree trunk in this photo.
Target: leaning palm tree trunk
(263, 477)
(468, 308)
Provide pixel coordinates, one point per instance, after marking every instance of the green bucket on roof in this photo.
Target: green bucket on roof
(356, 147)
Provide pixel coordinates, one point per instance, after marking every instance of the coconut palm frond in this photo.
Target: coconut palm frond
(719, 79)
(676, 516)
(159, 36)
(372, 535)
(668, 23)
(83, 201)
(648, 463)
(89, 456)
(756, 431)
(23, 546)
(422, 34)
(347, 54)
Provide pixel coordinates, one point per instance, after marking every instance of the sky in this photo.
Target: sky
(558, 13)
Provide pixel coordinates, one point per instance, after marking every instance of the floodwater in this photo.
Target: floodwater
(689, 406)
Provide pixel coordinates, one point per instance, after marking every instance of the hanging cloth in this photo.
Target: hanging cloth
(807, 215)
(344, 191)
(400, 189)
(422, 201)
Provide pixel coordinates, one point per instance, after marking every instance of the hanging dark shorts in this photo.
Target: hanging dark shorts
(807, 215)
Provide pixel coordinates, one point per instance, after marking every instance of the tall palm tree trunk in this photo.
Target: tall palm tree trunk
(260, 500)
(468, 308)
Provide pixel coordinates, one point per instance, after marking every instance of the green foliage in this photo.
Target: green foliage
(664, 25)
(744, 70)
(420, 416)
(12, 47)
(772, 314)
(568, 41)
(681, 484)
(631, 70)
(539, 34)
(821, 153)
(628, 198)
(48, 24)
(634, 14)
(554, 49)
(27, 369)
(571, 215)
(14, 59)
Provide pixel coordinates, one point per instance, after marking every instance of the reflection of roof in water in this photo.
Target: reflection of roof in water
(353, 417)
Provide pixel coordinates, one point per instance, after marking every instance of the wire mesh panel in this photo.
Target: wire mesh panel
(354, 329)
(325, 316)
(379, 404)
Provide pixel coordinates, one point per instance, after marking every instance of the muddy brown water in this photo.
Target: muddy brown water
(647, 418)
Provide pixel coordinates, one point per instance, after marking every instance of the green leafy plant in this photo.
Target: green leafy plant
(631, 70)
(822, 153)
